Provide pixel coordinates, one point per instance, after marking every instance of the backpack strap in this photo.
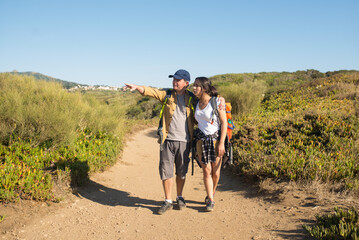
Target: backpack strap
(160, 125)
(191, 102)
(213, 102)
(168, 95)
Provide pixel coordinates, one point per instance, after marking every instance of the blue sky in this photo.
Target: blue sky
(110, 42)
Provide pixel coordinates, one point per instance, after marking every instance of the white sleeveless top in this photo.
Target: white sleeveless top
(204, 118)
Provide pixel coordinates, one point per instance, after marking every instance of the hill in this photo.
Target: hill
(40, 76)
(297, 126)
(246, 91)
(275, 81)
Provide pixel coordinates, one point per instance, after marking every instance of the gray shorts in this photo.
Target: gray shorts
(174, 153)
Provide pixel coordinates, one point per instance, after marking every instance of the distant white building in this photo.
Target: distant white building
(90, 88)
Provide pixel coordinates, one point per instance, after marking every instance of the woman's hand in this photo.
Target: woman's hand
(221, 149)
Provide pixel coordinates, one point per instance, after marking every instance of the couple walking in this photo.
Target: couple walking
(182, 109)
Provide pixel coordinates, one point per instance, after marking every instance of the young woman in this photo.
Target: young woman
(210, 136)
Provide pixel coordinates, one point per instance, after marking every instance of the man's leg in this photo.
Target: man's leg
(180, 184)
(167, 188)
(181, 162)
(166, 174)
(167, 204)
(166, 168)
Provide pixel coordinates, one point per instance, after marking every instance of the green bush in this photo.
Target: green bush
(343, 224)
(26, 171)
(46, 132)
(22, 174)
(244, 97)
(103, 116)
(36, 110)
(47, 114)
(92, 152)
(144, 108)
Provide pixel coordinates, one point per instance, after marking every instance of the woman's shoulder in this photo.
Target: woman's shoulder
(215, 102)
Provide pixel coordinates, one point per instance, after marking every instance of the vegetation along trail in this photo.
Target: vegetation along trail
(121, 203)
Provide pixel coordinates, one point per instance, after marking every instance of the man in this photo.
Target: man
(177, 133)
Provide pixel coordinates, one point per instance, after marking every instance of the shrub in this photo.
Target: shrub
(92, 152)
(40, 111)
(244, 97)
(47, 114)
(144, 108)
(26, 171)
(46, 132)
(343, 224)
(22, 174)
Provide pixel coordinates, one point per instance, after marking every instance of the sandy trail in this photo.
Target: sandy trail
(121, 203)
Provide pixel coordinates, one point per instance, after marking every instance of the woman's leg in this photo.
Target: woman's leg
(207, 179)
(207, 171)
(216, 172)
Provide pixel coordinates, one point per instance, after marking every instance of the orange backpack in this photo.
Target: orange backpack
(228, 157)
(229, 120)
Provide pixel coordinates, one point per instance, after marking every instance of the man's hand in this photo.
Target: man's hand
(133, 87)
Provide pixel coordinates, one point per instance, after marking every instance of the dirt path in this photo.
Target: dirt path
(121, 203)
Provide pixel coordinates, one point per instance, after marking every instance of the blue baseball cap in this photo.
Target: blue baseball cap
(181, 74)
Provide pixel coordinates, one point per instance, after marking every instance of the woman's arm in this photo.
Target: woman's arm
(223, 120)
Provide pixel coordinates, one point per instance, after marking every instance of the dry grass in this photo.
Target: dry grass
(325, 194)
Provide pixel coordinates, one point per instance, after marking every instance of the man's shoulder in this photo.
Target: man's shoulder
(191, 94)
(169, 92)
(194, 97)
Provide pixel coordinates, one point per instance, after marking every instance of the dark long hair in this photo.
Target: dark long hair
(206, 85)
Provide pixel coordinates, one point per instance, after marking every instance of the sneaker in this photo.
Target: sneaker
(165, 206)
(209, 205)
(181, 204)
(206, 199)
